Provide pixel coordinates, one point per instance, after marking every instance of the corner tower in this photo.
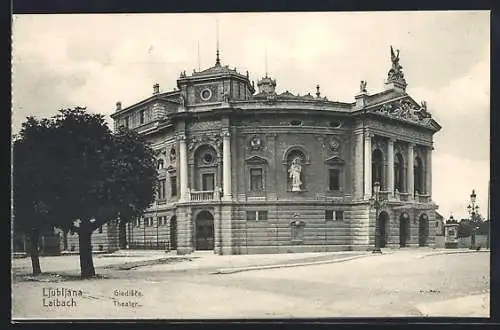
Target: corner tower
(214, 85)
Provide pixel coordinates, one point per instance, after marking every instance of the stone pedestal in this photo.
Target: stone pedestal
(451, 234)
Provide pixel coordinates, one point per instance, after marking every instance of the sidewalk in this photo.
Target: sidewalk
(158, 260)
(141, 260)
(469, 306)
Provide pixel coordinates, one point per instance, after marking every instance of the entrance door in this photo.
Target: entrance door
(122, 235)
(382, 218)
(423, 230)
(404, 224)
(173, 233)
(204, 231)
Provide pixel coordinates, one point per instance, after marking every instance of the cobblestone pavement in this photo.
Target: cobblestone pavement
(392, 284)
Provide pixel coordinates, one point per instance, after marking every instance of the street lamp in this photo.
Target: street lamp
(473, 210)
(377, 204)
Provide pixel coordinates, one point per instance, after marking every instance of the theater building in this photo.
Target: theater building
(260, 171)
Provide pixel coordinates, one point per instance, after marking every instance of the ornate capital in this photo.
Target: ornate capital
(225, 132)
(181, 138)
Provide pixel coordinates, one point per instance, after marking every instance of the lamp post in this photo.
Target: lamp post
(377, 204)
(473, 210)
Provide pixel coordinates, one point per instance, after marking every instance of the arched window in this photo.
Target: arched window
(418, 175)
(399, 170)
(296, 178)
(377, 167)
(206, 164)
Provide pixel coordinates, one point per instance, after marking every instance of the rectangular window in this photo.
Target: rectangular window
(256, 179)
(339, 215)
(100, 229)
(329, 215)
(333, 179)
(161, 189)
(126, 122)
(208, 182)
(257, 215)
(173, 186)
(251, 215)
(141, 117)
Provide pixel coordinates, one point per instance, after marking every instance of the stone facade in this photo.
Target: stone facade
(226, 156)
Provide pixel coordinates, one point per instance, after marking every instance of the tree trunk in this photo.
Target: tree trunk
(65, 240)
(86, 263)
(35, 260)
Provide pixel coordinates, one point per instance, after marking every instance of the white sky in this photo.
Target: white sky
(95, 60)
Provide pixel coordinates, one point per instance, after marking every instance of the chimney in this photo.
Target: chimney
(156, 89)
(118, 106)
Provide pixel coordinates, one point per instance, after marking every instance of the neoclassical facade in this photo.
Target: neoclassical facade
(256, 171)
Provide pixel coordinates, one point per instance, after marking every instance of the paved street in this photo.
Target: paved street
(400, 283)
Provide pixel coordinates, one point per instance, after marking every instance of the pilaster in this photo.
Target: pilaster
(390, 165)
(183, 168)
(428, 172)
(226, 162)
(410, 181)
(367, 168)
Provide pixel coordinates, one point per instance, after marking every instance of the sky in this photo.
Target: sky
(62, 61)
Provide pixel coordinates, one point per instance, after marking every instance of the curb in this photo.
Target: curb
(450, 252)
(224, 271)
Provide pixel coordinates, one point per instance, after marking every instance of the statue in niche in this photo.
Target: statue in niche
(172, 155)
(294, 173)
(362, 86)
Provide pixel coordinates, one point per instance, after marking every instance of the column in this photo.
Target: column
(226, 162)
(367, 168)
(409, 173)
(183, 180)
(428, 172)
(390, 161)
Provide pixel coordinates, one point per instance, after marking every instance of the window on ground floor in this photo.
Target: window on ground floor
(257, 215)
(331, 215)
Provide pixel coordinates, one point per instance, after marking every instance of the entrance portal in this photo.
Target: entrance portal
(122, 235)
(404, 229)
(204, 231)
(383, 220)
(173, 233)
(423, 230)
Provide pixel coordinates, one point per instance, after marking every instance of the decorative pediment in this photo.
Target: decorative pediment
(405, 109)
(256, 160)
(335, 160)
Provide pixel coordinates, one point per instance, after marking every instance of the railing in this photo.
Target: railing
(149, 245)
(422, 198)
(204, 195)
(402, 196)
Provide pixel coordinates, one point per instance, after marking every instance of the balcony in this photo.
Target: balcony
(203, 196)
